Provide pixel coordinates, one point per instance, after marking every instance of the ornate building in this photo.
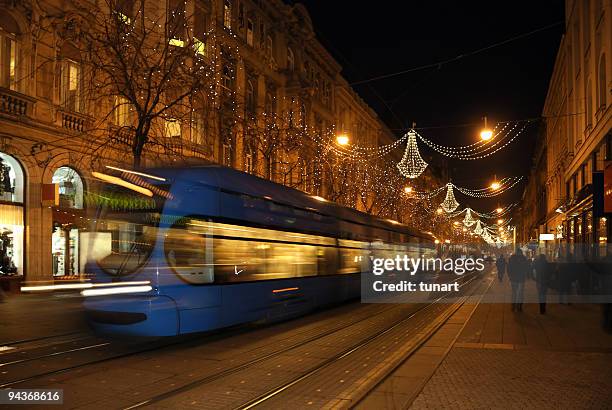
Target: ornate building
(578, 119)
(243, 83)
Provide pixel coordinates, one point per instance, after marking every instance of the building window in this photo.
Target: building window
(125, 11)
(71, 86)
(200, 28)
(601, 83)
(226, 80)
(176, 22)
(227, 14)
(269, 47)
(589, 104)
(586, 13)
(250, 97)
(226, 154)
(269, 104)
(12, 182)
(172, 128)
(121, 113)
(249, 32)
(290, 60)
(197, 128)
(8, 60)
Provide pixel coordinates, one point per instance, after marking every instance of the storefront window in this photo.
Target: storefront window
(602, 232)
(68, 223)
(70, 187)
(11, 216)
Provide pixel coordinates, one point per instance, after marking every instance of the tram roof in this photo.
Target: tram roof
(233, 180)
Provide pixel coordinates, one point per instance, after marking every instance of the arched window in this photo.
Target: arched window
(70, 187)
(290, 59)
(602, 83)
(250, 96)
(12, 183)
(9, 52)
(68, 224)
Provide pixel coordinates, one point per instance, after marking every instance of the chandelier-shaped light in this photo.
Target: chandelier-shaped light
(468, 220)
(478, 229)
(450, 203)
(411, 165)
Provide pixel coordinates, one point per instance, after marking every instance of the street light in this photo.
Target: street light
(342, 139)
(500, 221)
(495, 185)
(439, 211)
(408, 189)
(499, 210)
(486, 134)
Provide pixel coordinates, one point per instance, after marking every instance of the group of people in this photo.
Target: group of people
(519, 269)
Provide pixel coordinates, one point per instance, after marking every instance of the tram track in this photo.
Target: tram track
(361, 395)
(150, 347)
(316, 330)
(280, 388)
(276, 392)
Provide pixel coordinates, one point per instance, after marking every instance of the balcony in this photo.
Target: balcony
(121, 135)
(16, 104)
(72, 121)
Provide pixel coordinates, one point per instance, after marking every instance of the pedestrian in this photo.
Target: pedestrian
(566, 278)
(501, 267)
(542, 270)
(517, 271)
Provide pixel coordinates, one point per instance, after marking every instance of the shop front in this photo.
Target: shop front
(69, 221)
(12, 245)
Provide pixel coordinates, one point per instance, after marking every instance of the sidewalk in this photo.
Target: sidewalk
(503, 359)
(486, 356)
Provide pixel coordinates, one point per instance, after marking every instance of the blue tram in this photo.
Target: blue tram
(186, 250)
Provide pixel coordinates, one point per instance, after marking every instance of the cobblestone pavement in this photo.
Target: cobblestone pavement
(520, 379)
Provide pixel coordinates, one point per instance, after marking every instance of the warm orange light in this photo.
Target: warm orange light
(436, 241)
(455, 223)
(499, 210)
(464, 229)
(486, 134)
(284, 290)
(342, 139)
(408, 189)
(495, 185)
(439, 210)
(500, 221)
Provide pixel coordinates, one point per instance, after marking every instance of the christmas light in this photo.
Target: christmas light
(412, 165)
(468, 220)
(450, 203)
(478, 228)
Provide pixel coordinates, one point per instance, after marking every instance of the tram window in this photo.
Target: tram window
(131, 243)
(186, 252)
(255, 260)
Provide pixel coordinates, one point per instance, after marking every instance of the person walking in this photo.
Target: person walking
(501, 267)
(566, 278)
(542, 270)
(517, 270)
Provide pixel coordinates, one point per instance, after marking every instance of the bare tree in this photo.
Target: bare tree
(147, 70)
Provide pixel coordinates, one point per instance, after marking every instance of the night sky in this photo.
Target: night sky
(507, 82)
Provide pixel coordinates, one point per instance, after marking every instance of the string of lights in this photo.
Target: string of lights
(481, 149)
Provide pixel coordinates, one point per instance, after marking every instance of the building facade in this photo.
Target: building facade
(578, 121)
(271, 80)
